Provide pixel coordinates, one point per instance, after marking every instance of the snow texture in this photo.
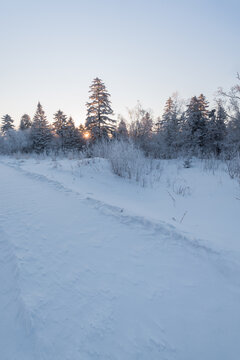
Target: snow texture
(91, 266)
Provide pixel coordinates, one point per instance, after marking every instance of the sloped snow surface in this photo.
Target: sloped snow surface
(83, 279)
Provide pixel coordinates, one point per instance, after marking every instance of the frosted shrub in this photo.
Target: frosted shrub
(180, 187)
(187, 163)
(125, 158)
(211, 164)
(99, 149)
(128, 161)
(15, 141)
(56, 164)
(233, 168)
(1, 144)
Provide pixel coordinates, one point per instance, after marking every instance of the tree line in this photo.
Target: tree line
(191, 129)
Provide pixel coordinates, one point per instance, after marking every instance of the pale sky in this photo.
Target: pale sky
(142, 49)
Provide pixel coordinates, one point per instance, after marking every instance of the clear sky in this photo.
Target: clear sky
(142, 49)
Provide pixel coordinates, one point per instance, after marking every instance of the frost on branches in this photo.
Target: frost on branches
(99, 109)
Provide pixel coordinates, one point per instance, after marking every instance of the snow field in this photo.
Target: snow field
(104, 280)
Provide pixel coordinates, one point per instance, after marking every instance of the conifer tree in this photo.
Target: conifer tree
(72, 138)
(169, 127)
(60, 123)
(59, 127)
(7, 124)
(25, 122)
(146, 125)
(81, 128)
(122, 132)
(99, 108)
(203, 105)
(195, 127)
(40, 131)
(216, 130)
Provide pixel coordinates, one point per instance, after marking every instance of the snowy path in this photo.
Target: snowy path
(98, 285)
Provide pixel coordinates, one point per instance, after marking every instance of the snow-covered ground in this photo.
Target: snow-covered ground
(93, 266)
(202, 201)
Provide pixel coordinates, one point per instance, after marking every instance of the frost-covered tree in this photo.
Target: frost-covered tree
(59, 123)
(141, 127)
(98, 120)
(141, 123)
(170, 127)
(73, 138)
(146, 132)
(81, 128)
(233, 114)
(7, 124)
(203, 105)
(13, 141)
(25, 122)
(135, 115)
(40, 131)
(216, 130)
(233, 131)
(8, 134)
(195, 127)
(146, 125)
(122, 132)
(68, 136)
(59, 127)
(17, 141)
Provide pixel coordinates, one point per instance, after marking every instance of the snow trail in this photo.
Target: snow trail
(16, 330)
(101, 287)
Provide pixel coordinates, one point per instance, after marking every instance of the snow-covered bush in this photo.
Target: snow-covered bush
(15, 141)
(211, 164)
(187, 163)
(233, 168)
(99, 149)
(125, 158)
(128, 161)
(180, 187)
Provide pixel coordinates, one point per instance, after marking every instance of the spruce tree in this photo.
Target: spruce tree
(72, 138)
(122, 132)
(195, 127)
(216, 130)
(25, 122)
(40, 131)
(60, 123)
(81, 128)
(146, 125)
(59, 127)
(169, 127)
(99, 108)
(7, 124)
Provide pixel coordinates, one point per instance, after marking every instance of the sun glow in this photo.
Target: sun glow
(86, 135)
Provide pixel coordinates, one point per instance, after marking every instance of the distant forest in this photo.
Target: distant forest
(185, 128)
